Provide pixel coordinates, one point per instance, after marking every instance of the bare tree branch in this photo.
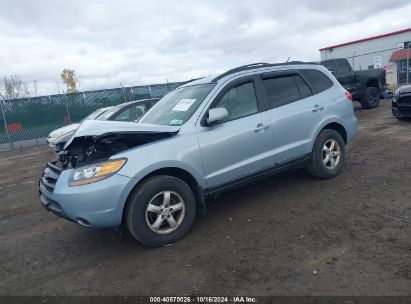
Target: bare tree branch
(14, 87)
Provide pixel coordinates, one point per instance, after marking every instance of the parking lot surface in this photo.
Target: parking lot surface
(286, 235)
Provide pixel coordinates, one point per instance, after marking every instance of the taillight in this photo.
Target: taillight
(348, 95)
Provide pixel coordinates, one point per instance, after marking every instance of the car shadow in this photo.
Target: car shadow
(104, 240)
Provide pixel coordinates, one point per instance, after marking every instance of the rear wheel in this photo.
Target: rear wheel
(160, 211)
(328, 155)
(371, 98)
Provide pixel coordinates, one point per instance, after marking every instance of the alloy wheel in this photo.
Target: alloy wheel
(165, 212)
(331, 154)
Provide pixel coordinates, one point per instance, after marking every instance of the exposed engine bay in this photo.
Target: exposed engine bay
(88, 149)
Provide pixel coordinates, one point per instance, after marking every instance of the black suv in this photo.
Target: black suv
(401, 102)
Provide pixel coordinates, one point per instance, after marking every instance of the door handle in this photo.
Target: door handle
(260, 127)
(317, 108)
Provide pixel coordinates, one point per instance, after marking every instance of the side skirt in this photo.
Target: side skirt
(297, 163)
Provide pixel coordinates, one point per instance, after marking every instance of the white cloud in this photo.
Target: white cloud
(140, 42)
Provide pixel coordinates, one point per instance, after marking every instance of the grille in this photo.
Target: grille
(50, 175)
(404, 101)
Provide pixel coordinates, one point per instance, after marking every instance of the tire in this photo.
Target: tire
(144, 222)
(371, 98)
(317, 167)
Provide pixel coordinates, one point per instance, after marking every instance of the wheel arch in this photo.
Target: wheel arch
(333, 124)
(174, 171)
(337, 127)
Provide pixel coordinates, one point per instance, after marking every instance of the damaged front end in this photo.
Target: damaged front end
(99, 140)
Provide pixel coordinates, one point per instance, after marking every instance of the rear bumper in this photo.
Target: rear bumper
(98, 204)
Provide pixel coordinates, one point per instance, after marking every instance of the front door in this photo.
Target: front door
(241, 144)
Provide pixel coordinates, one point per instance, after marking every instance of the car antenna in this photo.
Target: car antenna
(288, 58)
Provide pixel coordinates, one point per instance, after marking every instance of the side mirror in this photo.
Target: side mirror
(216, 115)
(332, 71)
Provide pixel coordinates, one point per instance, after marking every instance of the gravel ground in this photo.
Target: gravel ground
(287, 235)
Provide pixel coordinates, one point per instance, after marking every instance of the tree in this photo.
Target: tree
(35, 88)
(70, 80)
(14, 87)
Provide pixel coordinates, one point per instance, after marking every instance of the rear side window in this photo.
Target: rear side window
(305, 91)
(342, 66)
(318, 80)
(330, 65)
(283, 90)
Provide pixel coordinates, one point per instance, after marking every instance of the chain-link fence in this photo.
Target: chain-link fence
(28, 121)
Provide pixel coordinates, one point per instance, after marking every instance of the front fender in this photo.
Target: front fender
(154, 167)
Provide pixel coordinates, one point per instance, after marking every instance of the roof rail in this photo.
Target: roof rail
(258, 65)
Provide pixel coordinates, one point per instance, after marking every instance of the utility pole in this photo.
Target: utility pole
(353, 63)
(124, 92)
(5, 126)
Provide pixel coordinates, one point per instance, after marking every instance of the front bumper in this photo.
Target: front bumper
(401, 106)
(401, 114)
(401, 111)
(50, 141)
(98, 204)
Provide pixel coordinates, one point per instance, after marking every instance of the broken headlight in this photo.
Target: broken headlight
(96, 172)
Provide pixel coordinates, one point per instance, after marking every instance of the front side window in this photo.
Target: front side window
(176, 107)
(96, 114)
(239, 101)
(130, 114)
(317, 80)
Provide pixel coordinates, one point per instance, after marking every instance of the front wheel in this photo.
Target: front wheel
(328, 155)
(160, 211)
(371, 98)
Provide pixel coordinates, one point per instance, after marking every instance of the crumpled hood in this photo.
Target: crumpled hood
(101, 127)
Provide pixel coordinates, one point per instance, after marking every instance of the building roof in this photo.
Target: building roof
(399, 55)
(366, 39)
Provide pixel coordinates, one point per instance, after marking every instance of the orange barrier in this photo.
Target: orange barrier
(15, 127)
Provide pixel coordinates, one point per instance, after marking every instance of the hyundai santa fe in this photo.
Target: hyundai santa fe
(203, 138)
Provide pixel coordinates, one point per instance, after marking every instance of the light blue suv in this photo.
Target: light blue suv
(205, 137)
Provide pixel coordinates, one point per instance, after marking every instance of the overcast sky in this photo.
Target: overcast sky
(143, 42)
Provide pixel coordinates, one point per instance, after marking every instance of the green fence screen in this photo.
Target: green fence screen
(28, 121)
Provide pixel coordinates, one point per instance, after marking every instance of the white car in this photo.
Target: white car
(129, 111)
(69, 130)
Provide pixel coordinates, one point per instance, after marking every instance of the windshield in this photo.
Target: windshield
(176, 107)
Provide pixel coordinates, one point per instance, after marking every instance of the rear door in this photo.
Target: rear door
(295, 110)
(241, 145)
